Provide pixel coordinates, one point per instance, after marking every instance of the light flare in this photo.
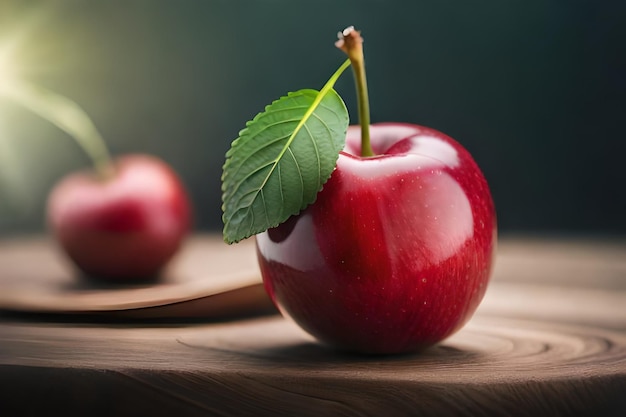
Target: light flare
(15, 89)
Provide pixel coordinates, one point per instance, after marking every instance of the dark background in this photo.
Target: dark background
(535, 89)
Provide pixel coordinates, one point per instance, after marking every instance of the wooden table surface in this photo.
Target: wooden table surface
(548, 339)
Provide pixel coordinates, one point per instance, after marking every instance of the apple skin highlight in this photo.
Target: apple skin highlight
(395, 254)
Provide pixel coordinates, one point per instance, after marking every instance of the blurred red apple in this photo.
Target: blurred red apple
(125, 227)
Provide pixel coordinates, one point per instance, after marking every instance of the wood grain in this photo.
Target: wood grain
(549, 339)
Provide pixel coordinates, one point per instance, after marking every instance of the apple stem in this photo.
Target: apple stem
(67, 116)
(351, 42)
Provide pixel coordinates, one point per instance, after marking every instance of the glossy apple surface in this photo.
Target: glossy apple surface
(124, 228)
(396, 253)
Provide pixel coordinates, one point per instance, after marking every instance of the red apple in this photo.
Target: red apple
(396, 252)
(126, 227)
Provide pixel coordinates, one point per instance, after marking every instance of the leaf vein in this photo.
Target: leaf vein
(299, 175)
(317, 153)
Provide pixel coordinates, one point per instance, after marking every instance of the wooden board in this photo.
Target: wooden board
(208, 279)
(548, 339)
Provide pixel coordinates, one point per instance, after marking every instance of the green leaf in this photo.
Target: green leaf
(281, 160)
